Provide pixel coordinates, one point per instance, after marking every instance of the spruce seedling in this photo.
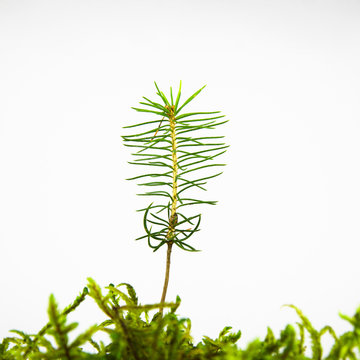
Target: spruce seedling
(180, 149)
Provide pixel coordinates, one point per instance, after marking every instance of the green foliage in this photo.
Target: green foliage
(175, 149)
(133, 336)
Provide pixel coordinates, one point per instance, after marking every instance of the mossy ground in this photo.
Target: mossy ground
(134, 336)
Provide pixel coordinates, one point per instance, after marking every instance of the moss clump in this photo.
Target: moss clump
(133, 336)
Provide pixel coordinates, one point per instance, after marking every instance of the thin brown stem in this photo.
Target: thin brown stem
(167, 274)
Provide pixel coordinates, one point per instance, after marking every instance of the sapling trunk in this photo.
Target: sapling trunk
(173, 217)
(167, 275)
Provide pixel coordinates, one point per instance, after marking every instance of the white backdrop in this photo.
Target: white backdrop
(286, 229)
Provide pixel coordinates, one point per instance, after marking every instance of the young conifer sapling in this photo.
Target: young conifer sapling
(178, 151)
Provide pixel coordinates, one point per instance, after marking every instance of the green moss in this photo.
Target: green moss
(132, 335)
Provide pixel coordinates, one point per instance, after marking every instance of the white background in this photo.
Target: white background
(286, 229)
